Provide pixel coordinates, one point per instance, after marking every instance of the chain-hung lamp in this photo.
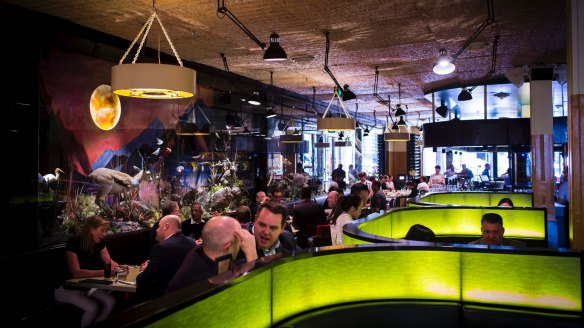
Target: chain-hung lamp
(153, 81)
(395, 133)
(332, 124)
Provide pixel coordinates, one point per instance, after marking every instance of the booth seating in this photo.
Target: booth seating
(380, 286)
(451, 224)
(32, 277)
(473, 198)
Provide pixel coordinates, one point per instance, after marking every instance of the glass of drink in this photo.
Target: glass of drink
(122, 272)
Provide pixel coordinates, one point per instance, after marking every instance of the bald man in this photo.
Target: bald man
(222, 235)
(165, 258)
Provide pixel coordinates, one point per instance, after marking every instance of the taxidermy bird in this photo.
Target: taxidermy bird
(51, 179)
(114, 182)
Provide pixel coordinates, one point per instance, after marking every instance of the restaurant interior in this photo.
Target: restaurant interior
(212, 102)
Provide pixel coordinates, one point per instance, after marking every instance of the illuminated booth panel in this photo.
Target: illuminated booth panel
(522, 223)
(474, 199)
(545, 283)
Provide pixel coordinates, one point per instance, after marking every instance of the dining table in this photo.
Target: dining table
(126, 285)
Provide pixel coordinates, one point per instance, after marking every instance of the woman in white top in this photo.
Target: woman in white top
(350, 207)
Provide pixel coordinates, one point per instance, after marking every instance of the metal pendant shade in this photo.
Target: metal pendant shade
(396, 136)
(275, 52)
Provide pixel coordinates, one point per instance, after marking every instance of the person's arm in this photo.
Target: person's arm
(247, 244)
(76, 270)
(106, 258)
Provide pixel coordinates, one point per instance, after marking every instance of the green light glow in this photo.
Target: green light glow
(247, 304)
(297, 285)
(518, 222)
(477, 198)
(318, 281)
(524, 280)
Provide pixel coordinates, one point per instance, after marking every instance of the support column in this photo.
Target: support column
(396, 157)
(576, 121)
(542, 140)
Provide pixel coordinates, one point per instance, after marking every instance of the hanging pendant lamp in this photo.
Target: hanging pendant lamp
(152, 81)
(330, 124)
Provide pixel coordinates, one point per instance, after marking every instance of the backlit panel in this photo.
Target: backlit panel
(247, 304)
(551, 282)
(357, 276)
(518, 222)
(477, 198)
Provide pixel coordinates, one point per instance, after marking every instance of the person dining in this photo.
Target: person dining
(87, 256)
(222, 236)
(350, 206)
(193, 226)
(492, 231)
(436, 178)
(165, 258)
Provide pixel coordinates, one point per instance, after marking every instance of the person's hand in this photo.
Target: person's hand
(144, 265)
(247, 244)
(115, 265)
(198, 241)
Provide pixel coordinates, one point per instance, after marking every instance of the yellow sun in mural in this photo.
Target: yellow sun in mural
(105, 107)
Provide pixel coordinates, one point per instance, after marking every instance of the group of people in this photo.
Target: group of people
(179, 255)
(183, 253)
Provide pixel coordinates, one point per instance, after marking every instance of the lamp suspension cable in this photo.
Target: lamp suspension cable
(154, 81)
(223, 10)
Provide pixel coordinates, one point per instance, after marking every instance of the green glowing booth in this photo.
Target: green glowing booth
(473, 198)
(540, 284)
(460, 224)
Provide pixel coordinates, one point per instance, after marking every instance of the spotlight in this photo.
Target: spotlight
(442, 110)
(366, 131)
(464, 95)
(399, 111)
(348, 94)
(394, 126)
(255, 99)
(444, 65)
(275, 52)
(401, 121)
(270, 113)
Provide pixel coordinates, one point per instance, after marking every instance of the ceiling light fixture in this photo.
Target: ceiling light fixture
(321, 144)
(152, 81)
(390, 135)
(442, 110)
(270, 112)
(350, 95)
(331, 124)
(190, 127)
(445, 64)
(255, 99)
(274, 51)
(465, 94)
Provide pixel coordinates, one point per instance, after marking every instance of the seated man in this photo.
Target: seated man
(268, 230)
(222, 235)
(492, 230)
(193, 226)
(165, 258)
(378, 201)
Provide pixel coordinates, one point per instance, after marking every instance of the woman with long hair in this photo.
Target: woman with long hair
(349, 208)
(87, 256)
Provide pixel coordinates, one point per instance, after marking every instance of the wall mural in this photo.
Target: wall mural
(121, 157)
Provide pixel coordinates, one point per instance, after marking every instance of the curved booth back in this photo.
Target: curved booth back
(473, 198)
(450, 224)
(542, 283)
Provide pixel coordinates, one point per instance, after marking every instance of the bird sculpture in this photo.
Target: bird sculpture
(52, 179)
(112, 182)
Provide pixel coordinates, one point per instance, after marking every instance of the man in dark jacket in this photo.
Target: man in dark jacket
(268, 230)
(165, 258)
